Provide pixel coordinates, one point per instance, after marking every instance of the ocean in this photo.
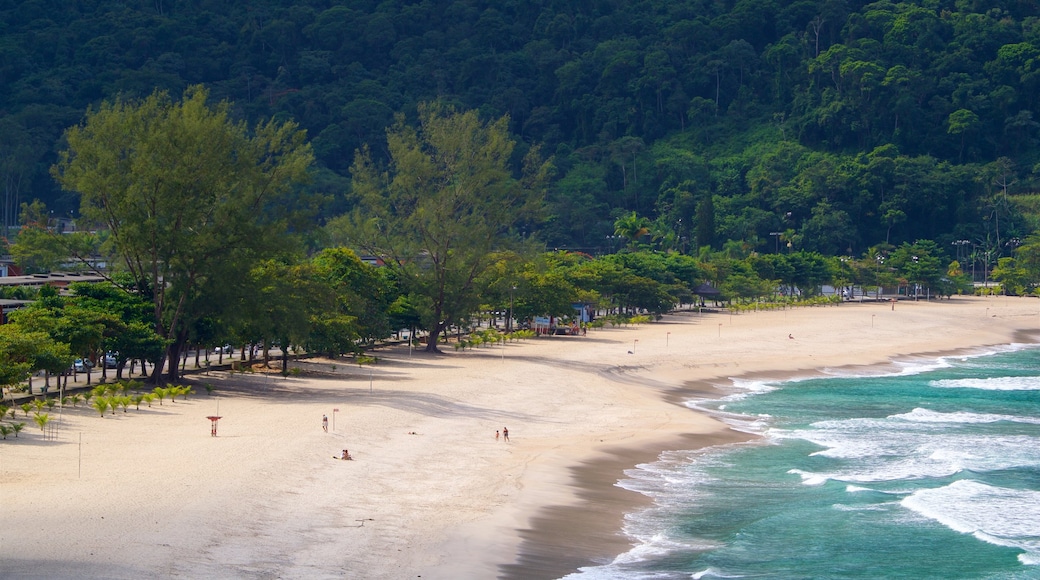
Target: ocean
(928, 471)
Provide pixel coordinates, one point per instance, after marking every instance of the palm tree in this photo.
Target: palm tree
(5, 430)
(632, 227)
(17, 427)
(101, 404)
(42, 419)
(26, 407)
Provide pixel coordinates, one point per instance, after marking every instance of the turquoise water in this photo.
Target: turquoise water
(929, 472)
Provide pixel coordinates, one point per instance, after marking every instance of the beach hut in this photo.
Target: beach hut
(706, 290)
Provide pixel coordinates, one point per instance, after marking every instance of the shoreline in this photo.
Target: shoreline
(431, 492)
(563, 539)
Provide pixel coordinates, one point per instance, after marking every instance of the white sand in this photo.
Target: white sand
(150, 493)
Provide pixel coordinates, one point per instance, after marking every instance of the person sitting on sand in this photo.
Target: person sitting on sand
(346, 455)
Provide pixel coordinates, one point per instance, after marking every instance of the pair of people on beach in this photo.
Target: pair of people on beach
(505, 434)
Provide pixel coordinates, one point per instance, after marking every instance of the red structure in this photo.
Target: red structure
(213, 425)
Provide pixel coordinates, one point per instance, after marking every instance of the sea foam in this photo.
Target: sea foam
(920, 415)
(1001, 516)
(990, 384)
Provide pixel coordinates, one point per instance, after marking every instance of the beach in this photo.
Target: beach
(430, 492)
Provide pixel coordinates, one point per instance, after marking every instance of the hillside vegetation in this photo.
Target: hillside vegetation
(821, 125)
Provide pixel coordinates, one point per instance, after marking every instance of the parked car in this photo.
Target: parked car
(111, 361)
(81, 365)
(226, 349)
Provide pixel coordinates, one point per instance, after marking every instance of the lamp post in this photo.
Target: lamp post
(960, 248)
(879, 259)
(844, 260)
(915, 278)
(509, 319)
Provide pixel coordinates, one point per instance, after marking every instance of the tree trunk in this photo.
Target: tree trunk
(174, 351)
(434, 337)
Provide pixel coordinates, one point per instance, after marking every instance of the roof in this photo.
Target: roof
(54, 279)
(706, 290)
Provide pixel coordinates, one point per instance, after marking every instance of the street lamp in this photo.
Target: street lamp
(917, 286)
(960, 248)
(844, 260)
(879, 259)
(509, 319)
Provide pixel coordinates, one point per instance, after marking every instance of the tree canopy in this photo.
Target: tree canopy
(190, 198)
(446, 202)
(844, 123)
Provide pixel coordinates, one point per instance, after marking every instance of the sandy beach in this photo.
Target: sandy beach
(430, 493)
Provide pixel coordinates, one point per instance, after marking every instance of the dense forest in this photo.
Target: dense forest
(820, 125)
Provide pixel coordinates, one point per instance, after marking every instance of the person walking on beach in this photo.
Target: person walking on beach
(496, 434)
(325, 423)
(505, 434)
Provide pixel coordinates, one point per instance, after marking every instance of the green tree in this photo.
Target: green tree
(23, 352)
(36, 249)
(445, 204)
(632, 227)
(919, 264)
(362, 292)
(191, 199)
(705, 230)
(1012, 277)
(290, 301)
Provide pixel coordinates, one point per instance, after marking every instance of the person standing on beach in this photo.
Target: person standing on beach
(325, 423)
(496, 434)
(505, 434)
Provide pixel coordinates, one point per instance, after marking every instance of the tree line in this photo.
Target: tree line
(210, 242)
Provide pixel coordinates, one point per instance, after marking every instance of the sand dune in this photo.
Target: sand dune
(430, 492)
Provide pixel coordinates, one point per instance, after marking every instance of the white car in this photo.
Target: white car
(82, 365)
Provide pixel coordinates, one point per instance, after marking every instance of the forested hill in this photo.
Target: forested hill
(833, 125)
